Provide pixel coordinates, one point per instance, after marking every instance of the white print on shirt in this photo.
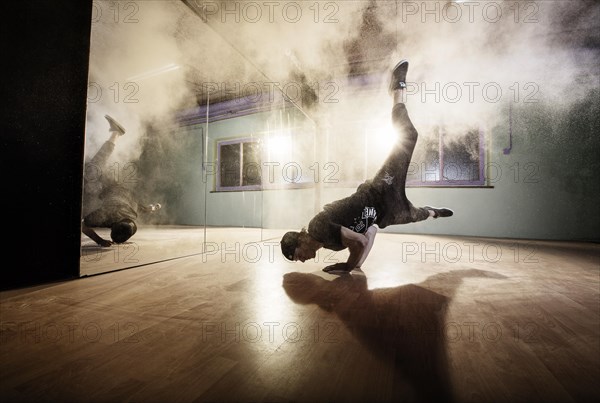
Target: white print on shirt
(369, 212)
(388, 178)
(363, 222)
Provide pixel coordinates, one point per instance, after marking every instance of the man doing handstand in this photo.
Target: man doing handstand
(350, 222)
(113, 203)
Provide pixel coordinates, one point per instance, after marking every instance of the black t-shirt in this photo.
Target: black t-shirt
(117, 204)
(356, 212)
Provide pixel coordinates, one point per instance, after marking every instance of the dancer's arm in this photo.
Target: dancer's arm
(356, 244)
(94, 236)
(370, 235)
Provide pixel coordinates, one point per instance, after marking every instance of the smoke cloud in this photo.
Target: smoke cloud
(150, 59)
(466, 57)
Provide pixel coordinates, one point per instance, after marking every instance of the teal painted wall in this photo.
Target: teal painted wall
(545, 188)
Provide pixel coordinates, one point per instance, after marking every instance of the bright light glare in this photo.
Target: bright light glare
(384, 138)
(279, 144)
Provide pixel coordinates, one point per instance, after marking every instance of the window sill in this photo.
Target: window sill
(294, 186)
(451, 186)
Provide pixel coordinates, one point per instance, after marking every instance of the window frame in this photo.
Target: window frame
(240, 141)
(481, 182)
(412, 183)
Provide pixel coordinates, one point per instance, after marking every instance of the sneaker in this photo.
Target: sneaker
(115, 126)
(440, 212)
(398, 80)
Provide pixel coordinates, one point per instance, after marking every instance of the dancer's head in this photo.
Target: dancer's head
(298, 246)
(123, 230)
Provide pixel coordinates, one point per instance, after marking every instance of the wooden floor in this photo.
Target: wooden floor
(158, 243)
(428, 319)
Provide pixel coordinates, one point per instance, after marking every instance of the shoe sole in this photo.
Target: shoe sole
(113, 122)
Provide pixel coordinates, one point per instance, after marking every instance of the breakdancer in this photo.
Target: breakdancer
(352, 222)
(115, 204)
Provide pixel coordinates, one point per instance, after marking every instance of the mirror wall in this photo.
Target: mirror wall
(205, 152)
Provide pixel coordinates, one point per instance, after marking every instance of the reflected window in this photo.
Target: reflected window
(239, 165)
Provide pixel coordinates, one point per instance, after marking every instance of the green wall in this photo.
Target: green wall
(545, 188)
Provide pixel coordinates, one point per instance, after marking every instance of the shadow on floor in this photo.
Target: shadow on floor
(404, 326)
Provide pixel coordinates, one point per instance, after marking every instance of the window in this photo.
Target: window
(444, 156)
(281, 158)
(441, 157)
(288, 159)
(239, 165)
(448, 158)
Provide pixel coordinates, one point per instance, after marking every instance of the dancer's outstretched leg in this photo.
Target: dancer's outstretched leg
(101, 157)
(95, 169)
(391, 178)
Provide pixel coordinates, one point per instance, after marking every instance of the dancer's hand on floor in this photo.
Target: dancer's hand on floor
(104, 243)
(338, 267)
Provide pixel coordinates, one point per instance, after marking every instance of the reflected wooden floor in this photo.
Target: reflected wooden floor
(155, 244)
(428, 319)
